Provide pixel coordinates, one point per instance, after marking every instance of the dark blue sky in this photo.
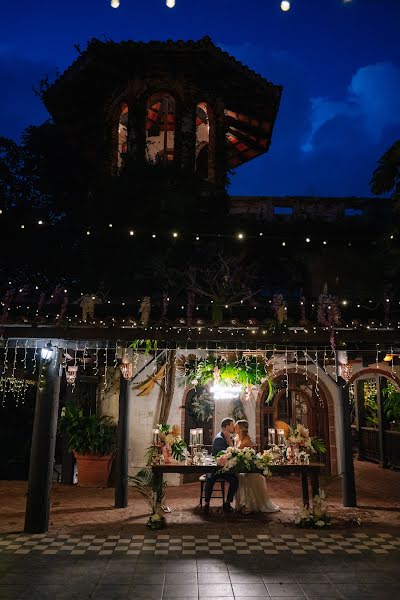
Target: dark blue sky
(339, 64)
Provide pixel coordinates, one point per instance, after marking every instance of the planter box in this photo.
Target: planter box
(93, 470)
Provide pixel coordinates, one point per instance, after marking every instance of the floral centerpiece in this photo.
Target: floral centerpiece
(170, 442)
(300, 444)
(316, 515)
(246, 460)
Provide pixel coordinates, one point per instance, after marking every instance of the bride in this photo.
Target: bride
(252, 495)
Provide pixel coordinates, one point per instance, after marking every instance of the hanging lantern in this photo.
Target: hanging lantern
(126, 370)
(71, 374)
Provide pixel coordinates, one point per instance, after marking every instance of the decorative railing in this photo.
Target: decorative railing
(392, 448)
(369, 446)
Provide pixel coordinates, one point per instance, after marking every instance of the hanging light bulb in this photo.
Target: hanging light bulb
(170, 3)
(285, 5)
(114, 3)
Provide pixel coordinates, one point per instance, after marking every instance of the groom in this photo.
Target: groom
(222, 440)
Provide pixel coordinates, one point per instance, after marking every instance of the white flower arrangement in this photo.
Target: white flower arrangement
(244, 460)
(316, 515)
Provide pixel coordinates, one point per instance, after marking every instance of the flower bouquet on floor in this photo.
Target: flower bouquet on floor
(316, 515)
(246, 460)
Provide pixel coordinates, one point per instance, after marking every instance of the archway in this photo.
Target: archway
(301, 404)
(374, 393)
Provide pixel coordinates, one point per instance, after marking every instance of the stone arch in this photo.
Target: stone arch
(329, 402)
(376, 371)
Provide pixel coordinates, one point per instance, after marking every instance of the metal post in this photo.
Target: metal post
(347, 466)
(43, 445)
(121, 481)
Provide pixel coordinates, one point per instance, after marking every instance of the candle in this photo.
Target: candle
(281, 437)
(271, 436)
(155, 436)
(199, 435)
(192, 441)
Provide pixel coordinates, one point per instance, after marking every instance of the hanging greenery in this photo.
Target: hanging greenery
(246, 370)
(202, 407)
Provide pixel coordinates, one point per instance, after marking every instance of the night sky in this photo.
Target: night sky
(338, 62)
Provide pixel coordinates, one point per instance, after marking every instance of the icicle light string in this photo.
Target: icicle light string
(317, 374)
(116, 355)
(34, 359)
(296, 360)
(324, 363)
(25, 355)
(377, 356)
(85, 349)
(286, 374)
(15, 359)
(306, 365)
(105, 367)
(5, 366)
(96, 360)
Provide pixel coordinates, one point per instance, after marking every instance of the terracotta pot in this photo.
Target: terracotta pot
(93, 469)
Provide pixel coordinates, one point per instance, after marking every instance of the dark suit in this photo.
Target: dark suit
(220, 444)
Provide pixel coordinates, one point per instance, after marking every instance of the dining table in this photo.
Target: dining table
(309, 473)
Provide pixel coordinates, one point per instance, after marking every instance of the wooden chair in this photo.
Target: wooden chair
(219, 493)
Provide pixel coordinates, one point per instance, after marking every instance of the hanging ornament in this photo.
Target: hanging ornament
(70, 374)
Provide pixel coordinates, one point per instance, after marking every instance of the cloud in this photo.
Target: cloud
(372, 99)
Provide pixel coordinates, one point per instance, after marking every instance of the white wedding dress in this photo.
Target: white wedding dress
(252, 494)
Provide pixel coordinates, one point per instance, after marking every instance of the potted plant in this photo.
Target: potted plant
(93, 440)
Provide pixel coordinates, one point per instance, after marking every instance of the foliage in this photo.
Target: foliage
(386, 177)
(147, 345)
(391, 403)
(314, 516)
(245, 370)
(153, 491)
(370, 403)
(318, 445)
(202, 407)
(88, 434)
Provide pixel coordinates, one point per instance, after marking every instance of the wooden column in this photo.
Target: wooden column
(121, 477)
(381, 382)
(347, 466)
(43, 445)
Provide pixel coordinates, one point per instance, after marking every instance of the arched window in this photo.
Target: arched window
(202, 139)
(160, 128)
(122, 135)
